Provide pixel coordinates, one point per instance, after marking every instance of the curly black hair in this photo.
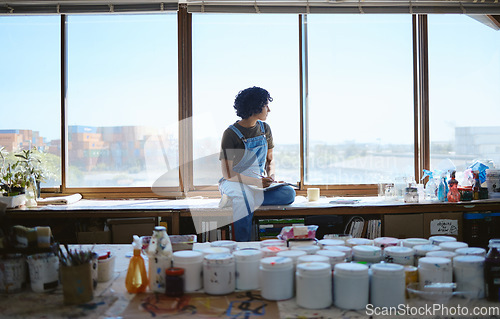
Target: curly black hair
(251, 101)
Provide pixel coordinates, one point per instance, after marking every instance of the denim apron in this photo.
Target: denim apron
(254, 159)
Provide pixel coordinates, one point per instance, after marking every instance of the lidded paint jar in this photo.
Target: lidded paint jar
(387, 285)
(468, 272)
(219, 274)
(434, 270)
(314, 285)
(174, 282)
(475, 251)
(335, 256)
(346, 250)
(192, 263)
(272, 251)
(247, 268)
(358, 241)
(350, 286)
(441, 253)
(330, 242)
(313, 259)
(369, 254)
(399, 255)
(293, 254)
(276, 278)
(230, 244)
(453, 245)
(384, 242)
(422, 250)
(412, 242)
(436, 240)
(309, 249)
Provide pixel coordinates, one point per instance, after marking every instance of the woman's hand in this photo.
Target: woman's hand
(267, 181)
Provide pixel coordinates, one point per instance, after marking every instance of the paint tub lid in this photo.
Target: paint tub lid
(385, 241)
(441, 253)
(359, 241)
(332, 254)
(310, 249)
(313, 258)
(215, 250)
(225, 243)
(453, 245)
(468, 261)
(424, 249)
(331, 242)
(399, 251)
(352, 269)
(433, 262)
(187, 256)
(272, 242)
(387, 269)
(314, 269)
(366, 251)
(346, 250)
(245, 255)
(411, 242)
(436, 240)
(219, 259)
(294, 254)
(273, 249)
(276, 263)
(477, 251)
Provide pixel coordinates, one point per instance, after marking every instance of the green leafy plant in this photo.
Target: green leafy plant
(22, 171)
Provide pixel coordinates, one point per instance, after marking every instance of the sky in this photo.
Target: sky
(123, 71)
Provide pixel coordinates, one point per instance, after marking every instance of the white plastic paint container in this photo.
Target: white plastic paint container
(330, 242)
(44, 272)
(230, 244)
(313, 259)
(106, 268)
(309, 249)
(314, 285)
(293, 254)
(441, 253)
(350, 286)
(436, 240)
(156, 272)
(12, 273)
(219, 274)
(384, 242)
(412, 242)
(335, 256)
(247, 268)
(475, 251)
(468, 272)
(346, 250)
(192, 263)
(453, 245)
(358, 241)
(276, 278)
(272, 251)
(422, 250)
(387, 285)
(434, 270)
(399, 255)
(369, 254)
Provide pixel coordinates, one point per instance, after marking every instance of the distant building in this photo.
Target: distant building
(16, 140)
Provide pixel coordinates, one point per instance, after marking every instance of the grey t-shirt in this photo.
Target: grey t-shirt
(232, 147)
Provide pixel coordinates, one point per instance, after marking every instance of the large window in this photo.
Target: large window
(122, 100)
(30, 89)
(234, 52)
(464, 86)
(360, 101)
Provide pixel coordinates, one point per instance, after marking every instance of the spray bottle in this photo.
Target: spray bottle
(137, 277)
(431, 187)
(442, 188)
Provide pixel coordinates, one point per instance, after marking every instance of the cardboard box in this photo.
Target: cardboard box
(123, 229)
(94, 237)
(403, 225)
(443, 224)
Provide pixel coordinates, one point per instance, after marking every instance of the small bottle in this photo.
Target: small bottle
(137, 277)
(160, 258)
(174, 282)
(476, 186)
(492, 271)
(453, 193)
(442, 189)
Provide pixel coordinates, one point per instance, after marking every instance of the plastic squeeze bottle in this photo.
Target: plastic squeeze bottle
(160, 259)
(137, 277)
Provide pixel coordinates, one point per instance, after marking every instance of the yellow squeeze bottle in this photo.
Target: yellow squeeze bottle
(137, 277)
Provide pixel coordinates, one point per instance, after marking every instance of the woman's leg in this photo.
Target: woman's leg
(283, 195)
(245, 201)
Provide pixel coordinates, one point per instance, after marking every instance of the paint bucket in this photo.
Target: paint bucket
(12, 273)
(106, 269)
(493, 182)
(44, 272)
